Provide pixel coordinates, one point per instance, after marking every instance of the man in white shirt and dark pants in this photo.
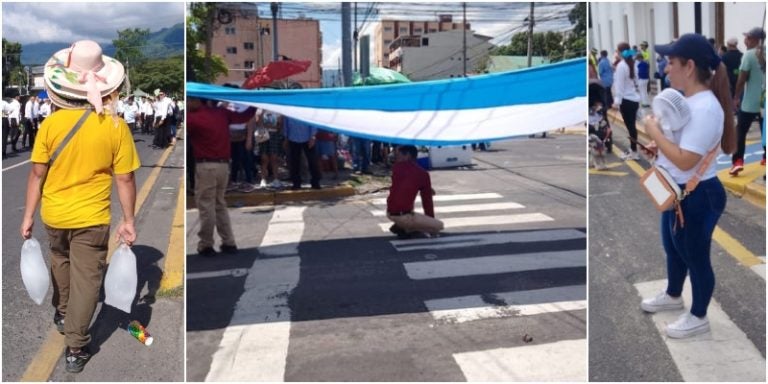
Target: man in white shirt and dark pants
(130, 110)
(30, 123)
(14, 118)
(161, 121)
(5, 109)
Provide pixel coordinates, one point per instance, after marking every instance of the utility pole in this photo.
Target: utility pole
(210, 14)
(697, 17)
(354, 40)
(530, 36)
(464, 29)
(274, 7)
(346, 43)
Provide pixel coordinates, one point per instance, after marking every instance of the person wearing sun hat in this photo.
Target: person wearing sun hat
(74, 191)
(696, 70)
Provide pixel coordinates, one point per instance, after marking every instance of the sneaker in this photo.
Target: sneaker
(58, 320)
(206, 252)
(687, 325)
(276, 184)
(737, 167)
(263, 184)
(75, 362)
(230, 249)
(232, 186)
(662, 302)
(630, 155)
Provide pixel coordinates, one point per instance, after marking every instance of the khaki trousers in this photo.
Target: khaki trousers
(78, 260)
(210, 186)
(416, 222)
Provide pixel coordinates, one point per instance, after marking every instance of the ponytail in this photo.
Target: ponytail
(720, 86)
(631, 63)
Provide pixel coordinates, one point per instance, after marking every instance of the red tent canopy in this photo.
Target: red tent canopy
(275, 70)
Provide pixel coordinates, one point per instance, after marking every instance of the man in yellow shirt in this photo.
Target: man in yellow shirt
(78, 184)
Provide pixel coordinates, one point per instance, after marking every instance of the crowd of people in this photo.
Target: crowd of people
(23, 115)
(626, 78)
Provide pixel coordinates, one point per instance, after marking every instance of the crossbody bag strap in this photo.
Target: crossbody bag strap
(694, 181)
(63, 145)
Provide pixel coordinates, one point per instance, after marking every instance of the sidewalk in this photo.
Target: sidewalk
(749, 185)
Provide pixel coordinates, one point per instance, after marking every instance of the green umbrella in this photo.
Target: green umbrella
(380, 76)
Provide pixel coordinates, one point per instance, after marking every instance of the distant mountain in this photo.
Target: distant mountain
(163, 43)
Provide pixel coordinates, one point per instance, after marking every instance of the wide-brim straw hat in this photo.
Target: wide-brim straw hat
(72, 72)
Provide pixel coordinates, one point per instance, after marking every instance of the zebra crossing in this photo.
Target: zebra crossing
(730, 355)
(558, 360)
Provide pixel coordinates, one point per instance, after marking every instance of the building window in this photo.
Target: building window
(417, 30)
(387, 29)
(232, 50)
(432, 30)
(229, 30)
(248, 64)
(247, 74)
(248, 46)
(387, 42)
(403, 29)
(424, 42)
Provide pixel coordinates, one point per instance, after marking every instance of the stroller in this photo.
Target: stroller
(600, 134)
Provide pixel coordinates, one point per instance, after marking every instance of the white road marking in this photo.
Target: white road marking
(476, 221)
(237, 272)
(254, 347)
(564, 361)
(511, 304)
(284, 232)
(461, 241)
(461, 208)
(436, 198)
(490, 265)
(724, 354)
(16, 165)
(760, 268)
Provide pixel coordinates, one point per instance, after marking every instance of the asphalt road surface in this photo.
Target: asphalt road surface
(322, 291)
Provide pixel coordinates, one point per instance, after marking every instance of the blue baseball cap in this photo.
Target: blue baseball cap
(692, 46)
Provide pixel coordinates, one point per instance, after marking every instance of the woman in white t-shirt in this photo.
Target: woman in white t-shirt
(695, 69)
(626, 96)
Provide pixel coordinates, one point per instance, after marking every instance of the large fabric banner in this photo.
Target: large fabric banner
(444, 112)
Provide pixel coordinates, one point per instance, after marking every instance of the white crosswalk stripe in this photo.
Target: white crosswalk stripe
(443, 198)
(564, 360)
(254, 347)
(724, 354)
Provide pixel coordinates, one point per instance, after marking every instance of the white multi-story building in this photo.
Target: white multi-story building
(437, 55)
(660, 23)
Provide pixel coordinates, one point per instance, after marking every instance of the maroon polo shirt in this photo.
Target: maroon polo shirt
(208, 131)
(408, 179)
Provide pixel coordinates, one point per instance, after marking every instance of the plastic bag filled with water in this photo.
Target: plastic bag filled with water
(120, 283)
(34, 272)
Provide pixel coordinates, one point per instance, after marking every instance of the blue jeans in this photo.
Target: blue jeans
(361, 154)
(688, 248)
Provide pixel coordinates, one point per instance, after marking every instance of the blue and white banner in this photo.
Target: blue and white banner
(444, 112)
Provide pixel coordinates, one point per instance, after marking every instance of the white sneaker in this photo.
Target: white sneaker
(263, 184)
(687, 325)
(662, 302)
(630, 155)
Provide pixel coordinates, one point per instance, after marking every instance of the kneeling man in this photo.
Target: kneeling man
(408, 178)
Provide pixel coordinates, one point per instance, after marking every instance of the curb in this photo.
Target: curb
(173, 266)
(239, 199)
(744, 186)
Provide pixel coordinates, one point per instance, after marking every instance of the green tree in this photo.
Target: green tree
(11, 63)
(576, 42)
(166, 74)
(130, 48)
(549, 44)
(200, 24)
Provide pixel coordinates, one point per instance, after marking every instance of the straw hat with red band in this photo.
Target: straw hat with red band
(81, 74)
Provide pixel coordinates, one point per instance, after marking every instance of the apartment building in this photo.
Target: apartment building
(388, 31)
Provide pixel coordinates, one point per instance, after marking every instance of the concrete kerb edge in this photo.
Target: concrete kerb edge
(239, 200)
(752, 192)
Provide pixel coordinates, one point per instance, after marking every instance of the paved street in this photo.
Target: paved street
(627, 263)
(323, 292)
(31, 346)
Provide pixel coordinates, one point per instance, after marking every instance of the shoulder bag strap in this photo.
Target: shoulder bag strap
(62, 145)
(694, 181)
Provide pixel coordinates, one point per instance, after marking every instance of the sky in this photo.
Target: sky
(68, 22)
